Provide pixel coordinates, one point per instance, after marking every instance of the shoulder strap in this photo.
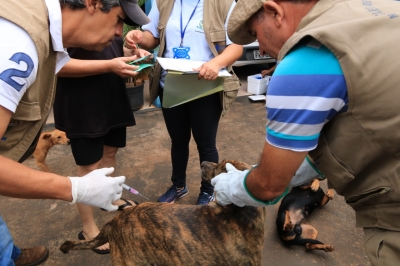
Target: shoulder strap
(215, 13)
(165, 9)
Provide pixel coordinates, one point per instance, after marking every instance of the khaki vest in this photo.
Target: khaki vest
(214, 16)
(359, 151)
(32, 111)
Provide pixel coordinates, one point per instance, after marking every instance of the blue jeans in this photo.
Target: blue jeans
(8, 252)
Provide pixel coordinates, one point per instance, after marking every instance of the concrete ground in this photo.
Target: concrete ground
(146, 164)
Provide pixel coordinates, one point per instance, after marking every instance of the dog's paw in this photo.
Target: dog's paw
(330, 193)
(315, 185)
(329, 248)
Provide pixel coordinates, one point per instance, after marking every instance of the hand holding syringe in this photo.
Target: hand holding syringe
(133, 191)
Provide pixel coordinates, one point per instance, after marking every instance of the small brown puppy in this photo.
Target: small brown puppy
(166, 234)
(46, 141)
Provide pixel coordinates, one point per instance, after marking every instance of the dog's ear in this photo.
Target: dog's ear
(220, 168)
(46, 136)
(207, 170)
(237, 164)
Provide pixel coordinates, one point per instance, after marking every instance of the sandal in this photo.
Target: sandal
(123, 206)
(98, 251)
(127, 203)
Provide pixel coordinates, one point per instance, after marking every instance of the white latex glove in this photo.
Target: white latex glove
(231, 187)
(97, 189)
(305, 174)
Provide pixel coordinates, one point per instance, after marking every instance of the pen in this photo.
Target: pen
(133, 191)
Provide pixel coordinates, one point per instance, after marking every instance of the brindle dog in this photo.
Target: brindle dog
(167, 234)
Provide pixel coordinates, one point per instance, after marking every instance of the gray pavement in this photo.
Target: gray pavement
(146, 164)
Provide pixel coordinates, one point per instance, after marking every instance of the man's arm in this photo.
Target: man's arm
(265, 184)
(77, 68)
(95, 189)
(276, 169)
(17, 180)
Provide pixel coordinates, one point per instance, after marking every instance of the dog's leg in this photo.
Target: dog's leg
(315, 185)
(328, 196)
(312, 233)
(42, 166)
(308, 231)
(324, 247)
(288, 225)
(330, 193)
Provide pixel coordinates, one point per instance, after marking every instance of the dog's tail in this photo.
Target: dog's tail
(99, 240)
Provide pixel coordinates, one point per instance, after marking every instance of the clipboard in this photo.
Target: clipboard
(182, 85)
(180, 88)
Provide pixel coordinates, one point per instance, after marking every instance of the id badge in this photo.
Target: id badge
(181, 52)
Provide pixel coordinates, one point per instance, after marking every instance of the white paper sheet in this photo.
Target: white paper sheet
(186, 66)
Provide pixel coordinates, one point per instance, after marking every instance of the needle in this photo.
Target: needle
(133, 191)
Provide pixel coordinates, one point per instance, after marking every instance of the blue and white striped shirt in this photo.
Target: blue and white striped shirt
(307, 89)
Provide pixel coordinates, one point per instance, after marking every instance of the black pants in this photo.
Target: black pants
(200, 118)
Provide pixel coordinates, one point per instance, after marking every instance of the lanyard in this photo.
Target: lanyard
(183, 31)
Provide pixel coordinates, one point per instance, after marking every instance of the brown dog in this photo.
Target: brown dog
(293, 211)
(175, 234)
(46, 141)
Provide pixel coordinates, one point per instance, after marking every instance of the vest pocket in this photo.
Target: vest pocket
(231, 88)
(339, 175)
(218, 35)
(367, 195)
(28, 111)
(218, 38)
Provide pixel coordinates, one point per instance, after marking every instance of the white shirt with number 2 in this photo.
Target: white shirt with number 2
(17, 76)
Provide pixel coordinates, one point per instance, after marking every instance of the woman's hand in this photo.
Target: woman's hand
(136, 52)
(208, 70)
(133, 38)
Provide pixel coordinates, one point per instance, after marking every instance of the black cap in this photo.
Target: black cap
(134, 13)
